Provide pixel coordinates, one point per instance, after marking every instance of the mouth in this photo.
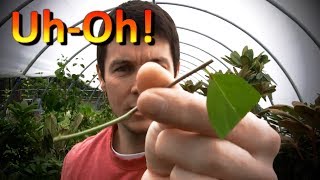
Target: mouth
(137, 113)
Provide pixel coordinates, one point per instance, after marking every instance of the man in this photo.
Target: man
(170, 136)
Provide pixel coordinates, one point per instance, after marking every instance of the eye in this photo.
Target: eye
(123, 69)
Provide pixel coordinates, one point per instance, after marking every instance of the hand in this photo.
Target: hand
(181, 144)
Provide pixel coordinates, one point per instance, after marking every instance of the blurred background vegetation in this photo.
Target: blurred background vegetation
(39, 110)
(43, 107)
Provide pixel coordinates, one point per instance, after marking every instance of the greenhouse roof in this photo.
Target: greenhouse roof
(286, 31)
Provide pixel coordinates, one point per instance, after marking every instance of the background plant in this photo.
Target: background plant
(299, 128)
(246, 66)
(298, 125)
(26, 131)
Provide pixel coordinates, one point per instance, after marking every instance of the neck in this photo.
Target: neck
(128, 142)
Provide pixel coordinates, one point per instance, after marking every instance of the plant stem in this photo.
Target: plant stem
(190, 73)
(96, 128)
(128, 114)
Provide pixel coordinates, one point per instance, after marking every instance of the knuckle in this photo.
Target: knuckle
(162, 142)
(216, 162)
(270, 174)
(270, 139)
(274, 141)
(270, 143)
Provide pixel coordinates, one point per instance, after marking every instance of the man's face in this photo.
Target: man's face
(121, 66)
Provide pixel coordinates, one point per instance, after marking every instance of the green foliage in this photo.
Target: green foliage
(31, 87)
(251, 69)
(299, 127)
(26, 133)
(192, 88)
(22, 110)
(60, 97)
(229, 99)
(20, 138)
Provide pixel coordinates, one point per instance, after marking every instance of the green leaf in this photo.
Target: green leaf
(264, 59)
(65, 124)
(244, 51)
(250, 54)
(259, 75)
(229, 99)
(235, 58)
(235, 71)
(50, 125)
(268, 78)
(295, 127)
(285, 108)
(244, 60)
(77, 121)
(308, 114)
(227, 60)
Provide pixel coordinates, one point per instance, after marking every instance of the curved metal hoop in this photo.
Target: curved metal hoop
(251, 36)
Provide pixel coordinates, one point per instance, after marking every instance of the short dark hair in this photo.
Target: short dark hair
(164, 28)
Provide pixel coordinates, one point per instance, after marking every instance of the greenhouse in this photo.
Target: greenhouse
(258, 57)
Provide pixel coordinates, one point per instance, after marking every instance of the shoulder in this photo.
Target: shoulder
(81, 147)
(83, 151)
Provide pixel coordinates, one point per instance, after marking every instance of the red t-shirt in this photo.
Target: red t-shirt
(94, 159)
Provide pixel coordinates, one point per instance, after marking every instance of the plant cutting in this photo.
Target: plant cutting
(217, 90)
(249, 68)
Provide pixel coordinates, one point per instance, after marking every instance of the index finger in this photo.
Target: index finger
(188, 112)
(176, 107)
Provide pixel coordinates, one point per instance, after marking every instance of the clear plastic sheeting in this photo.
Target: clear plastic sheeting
(208, 29)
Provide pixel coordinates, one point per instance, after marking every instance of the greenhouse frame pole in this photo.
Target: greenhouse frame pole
(205, 35)
(251, 36)
(181, 65)
(47, 46)
(69, 60)
(82, 73)
(294, 19)
(206, 53)
(19, 8)
(95, 89)
(196, 59)
(97, 102)
(182, 5)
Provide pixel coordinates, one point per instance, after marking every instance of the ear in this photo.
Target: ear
(101, 79)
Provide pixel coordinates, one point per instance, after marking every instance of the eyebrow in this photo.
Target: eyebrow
(118, 62)
(159, 60)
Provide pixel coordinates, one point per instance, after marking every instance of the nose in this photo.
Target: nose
(134, 88)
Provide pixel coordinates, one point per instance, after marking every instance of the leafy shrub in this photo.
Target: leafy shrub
(26, 132)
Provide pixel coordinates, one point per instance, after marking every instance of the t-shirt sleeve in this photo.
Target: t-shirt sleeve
(69, 169)
(66, 173)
